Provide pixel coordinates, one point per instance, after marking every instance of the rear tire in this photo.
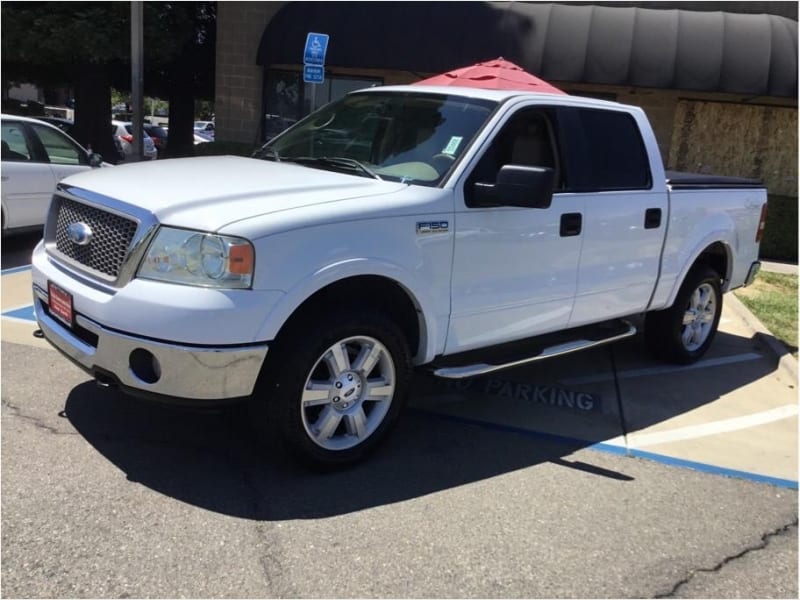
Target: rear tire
(683, 333)
(334, 387)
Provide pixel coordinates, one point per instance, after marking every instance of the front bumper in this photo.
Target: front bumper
(151, 367)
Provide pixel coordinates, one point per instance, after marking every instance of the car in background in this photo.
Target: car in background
(159, 135)
(68, 126)
(204, 128)
(65, 125)
(123, 131)
(200, 138)
(35, 157)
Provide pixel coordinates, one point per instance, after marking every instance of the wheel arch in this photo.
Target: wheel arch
(379, 291)
(716, 254)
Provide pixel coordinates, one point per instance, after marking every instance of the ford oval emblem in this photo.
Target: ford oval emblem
(79, 234)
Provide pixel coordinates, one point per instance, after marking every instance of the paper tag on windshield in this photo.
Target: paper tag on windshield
(452, 145)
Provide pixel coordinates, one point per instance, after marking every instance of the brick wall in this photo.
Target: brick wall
(239, 80)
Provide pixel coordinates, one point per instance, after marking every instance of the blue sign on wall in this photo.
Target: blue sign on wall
(313, 74)
(316, 47)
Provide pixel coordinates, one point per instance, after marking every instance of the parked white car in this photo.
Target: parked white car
(35, 157)
(205, 128)
(123, 132)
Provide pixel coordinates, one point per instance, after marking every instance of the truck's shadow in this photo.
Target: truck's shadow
(215, 461)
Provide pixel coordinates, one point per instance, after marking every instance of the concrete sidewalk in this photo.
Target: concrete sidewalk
(779, 267)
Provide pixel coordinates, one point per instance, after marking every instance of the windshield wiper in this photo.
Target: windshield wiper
(267, 153)
(336, 161)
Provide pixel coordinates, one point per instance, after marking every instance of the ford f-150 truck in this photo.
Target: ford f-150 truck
(461, 229)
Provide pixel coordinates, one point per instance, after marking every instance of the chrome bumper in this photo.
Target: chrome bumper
(171, 370)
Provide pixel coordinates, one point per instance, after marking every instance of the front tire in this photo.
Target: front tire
(336, 386)
(683, 333)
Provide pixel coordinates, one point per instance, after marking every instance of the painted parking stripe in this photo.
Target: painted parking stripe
(641, 440)
(15, 270)
(619, 450)
(23, 313)
(666, 370)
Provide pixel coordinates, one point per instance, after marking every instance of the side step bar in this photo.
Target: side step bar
(472, 370)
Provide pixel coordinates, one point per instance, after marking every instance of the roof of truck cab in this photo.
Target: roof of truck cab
(497, 95)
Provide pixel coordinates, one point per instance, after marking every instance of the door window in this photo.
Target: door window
(60, 149)
(605, 151)
(15, 144)
(527, 139)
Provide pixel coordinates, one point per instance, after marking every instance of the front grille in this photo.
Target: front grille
(111, 236)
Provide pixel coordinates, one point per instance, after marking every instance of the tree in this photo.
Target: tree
(186, 71)
(75, 43)
(87, 45)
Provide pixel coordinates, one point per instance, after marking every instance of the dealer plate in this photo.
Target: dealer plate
(60, 304)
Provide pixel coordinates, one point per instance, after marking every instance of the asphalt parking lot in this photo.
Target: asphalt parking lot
(601, 474)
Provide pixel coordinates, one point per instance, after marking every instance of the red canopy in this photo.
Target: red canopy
(498, 74)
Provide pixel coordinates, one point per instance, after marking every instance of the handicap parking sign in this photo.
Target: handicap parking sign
(316, 47)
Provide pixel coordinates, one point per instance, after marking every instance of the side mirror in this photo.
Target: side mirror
(95, 160)
(526, 187)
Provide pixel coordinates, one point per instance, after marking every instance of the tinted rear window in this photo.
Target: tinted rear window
(607, 151)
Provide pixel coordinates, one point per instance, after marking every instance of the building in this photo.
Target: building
(718, 80)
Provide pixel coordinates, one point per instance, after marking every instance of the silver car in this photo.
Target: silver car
(123, 132)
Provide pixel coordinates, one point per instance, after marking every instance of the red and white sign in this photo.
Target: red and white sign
(60, 303)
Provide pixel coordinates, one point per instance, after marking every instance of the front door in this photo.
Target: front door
(514, 269)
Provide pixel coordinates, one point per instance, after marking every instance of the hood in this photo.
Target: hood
(209, 192)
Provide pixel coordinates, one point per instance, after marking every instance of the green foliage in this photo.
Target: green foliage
(773, 299)
(780, 234)
(224, 148)
(48, 42)
(203, 110)
(47, 34)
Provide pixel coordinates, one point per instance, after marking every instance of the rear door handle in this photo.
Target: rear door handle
(571, 224)
(652, 218)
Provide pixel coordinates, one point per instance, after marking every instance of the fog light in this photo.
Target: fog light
(145, 366)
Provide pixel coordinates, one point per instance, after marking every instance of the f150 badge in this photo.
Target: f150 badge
(432, 227)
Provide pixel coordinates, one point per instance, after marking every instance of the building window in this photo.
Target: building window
(287, 99)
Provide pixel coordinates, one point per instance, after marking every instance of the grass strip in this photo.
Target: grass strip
(772, 298)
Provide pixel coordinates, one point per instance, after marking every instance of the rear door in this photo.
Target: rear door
(625, 213)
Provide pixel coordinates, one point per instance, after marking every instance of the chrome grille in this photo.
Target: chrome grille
(111, 236)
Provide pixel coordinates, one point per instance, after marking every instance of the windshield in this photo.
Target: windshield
(412, 138)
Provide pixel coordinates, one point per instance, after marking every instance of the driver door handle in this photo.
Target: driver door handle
(571, 224)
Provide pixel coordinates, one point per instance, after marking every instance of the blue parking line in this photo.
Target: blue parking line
(13, 270)
(620, 451)
(26, 313)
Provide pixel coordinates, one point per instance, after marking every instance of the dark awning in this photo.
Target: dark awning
(673, 49)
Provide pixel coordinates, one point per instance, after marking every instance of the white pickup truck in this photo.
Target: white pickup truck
(465, 230)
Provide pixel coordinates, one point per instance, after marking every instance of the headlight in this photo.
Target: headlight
(195, 258)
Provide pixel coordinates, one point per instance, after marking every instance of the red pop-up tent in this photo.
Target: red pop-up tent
(498, 74)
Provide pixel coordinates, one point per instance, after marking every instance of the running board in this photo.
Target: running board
(622, 331)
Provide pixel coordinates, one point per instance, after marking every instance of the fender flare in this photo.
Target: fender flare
(431, 333)
(719, 236)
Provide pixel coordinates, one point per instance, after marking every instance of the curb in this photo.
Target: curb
(786, 361)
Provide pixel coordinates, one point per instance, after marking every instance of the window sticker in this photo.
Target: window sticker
(452, 145)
